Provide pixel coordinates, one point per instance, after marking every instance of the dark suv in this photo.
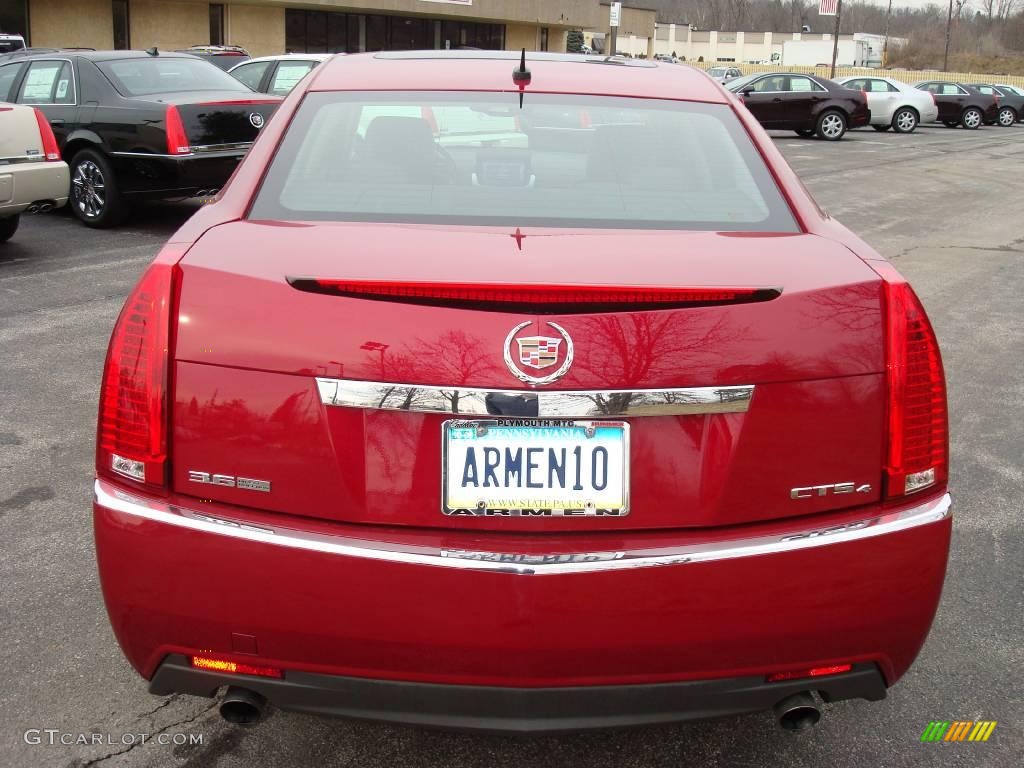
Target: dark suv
(806, 104)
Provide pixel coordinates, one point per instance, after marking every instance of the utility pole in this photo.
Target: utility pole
(835, 40)
(885, 45)
(949, 25)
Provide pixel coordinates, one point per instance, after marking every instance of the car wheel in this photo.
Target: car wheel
(1007, 117)
(972, 118)
(805, 132)
(8, 227)
(831, 125)
(904, 121)
(94, 197)
(880, 128)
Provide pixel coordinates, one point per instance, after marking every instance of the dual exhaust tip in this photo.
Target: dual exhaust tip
(795, 713)
(207, 192)
(41, 206)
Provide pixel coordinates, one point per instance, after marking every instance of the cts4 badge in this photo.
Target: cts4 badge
(538, 353)
(828, 490)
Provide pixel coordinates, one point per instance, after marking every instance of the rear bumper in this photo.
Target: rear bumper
(859, 118)
(145, 175)
(517, 710)
(22, 184)
(440, 611)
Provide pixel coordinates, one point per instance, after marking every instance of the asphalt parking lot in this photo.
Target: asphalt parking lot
(946, 205)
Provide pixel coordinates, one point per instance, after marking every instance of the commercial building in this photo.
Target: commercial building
(322, 26)
(753, 47)
(328, 26)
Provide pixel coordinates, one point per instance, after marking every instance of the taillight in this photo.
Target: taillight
(50, 149)
(539, 298)
(132, 429)
(177, 139)
(918, 450)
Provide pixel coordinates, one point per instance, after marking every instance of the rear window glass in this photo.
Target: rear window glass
(477, 158)
(154, 75)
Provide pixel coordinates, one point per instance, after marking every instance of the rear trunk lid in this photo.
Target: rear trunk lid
(213, 118)
(259, 366)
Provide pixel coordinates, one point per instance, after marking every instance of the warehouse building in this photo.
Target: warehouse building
(322, 26)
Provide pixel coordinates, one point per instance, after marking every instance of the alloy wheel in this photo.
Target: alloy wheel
(1006, 117)
(832, 126)
(906, 121)
(972, 118)
(88, 189)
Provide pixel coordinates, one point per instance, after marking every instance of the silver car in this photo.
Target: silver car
(893, 104)
(724, 74)
(277, 75)
(33, 177)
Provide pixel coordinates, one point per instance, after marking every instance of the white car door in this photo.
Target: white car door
(883, 100)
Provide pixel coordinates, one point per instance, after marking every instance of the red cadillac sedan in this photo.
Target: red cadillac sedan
(520, 394)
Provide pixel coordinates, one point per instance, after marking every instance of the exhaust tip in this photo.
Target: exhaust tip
(797, 713)
(241, 706)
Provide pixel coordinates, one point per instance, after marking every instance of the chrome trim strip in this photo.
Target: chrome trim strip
(110, 497)
(19, 159)
(150, 155)
(234, 149)
(521, 403)
(242, 146)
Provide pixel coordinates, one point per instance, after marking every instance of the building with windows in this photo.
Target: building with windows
(309, 26)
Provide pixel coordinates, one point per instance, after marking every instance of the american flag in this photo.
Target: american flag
(828, 7)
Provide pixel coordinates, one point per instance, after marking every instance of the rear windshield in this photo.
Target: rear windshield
(155, 75)
(8, 44)
(562, 161)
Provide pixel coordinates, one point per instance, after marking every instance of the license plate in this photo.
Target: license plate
(535, 468)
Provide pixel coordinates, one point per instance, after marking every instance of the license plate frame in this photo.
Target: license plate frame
(584, 509)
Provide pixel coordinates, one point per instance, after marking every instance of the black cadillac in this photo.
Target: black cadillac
(134, 124)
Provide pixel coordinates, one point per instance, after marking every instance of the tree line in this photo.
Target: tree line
(980, 29)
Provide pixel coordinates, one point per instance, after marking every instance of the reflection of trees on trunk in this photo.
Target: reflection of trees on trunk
(458, 356)
(455, 358)
(632, 350)
(853, 314)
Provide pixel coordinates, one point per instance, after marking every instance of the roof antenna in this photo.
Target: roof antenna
(521, 77)
(153, 51)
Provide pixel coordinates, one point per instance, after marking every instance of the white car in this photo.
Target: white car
(33, 177)
(10, 43)
(277, 75)
(893, 104)
(724, 74)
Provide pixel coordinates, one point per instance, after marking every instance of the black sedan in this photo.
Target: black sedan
(806, 104)
(1011, 103)
(134, 124)
(961, 104)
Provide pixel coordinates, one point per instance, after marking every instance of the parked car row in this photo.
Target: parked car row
(136, 124)
(812, 105)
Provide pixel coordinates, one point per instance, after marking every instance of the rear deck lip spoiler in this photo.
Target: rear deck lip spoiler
(112, 497)
(542, 404)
